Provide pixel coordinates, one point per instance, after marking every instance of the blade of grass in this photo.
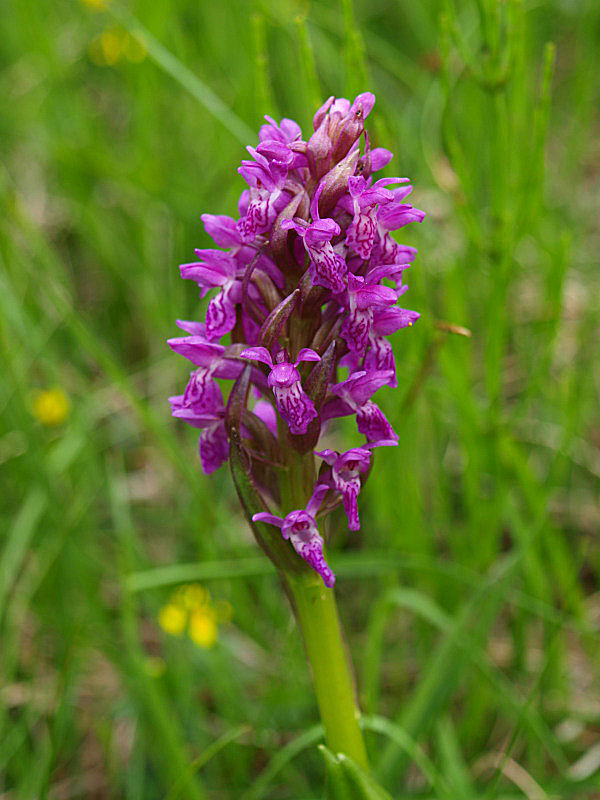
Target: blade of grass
(262, 79)
(405, 742)
(355, 54)
(308, 63)
(452, 761)
(18, 541)
(210, 752)
(425, 607)
(184, 76)
(281, 760)
(448, 663)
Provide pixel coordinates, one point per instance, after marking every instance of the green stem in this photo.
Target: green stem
(317, 616)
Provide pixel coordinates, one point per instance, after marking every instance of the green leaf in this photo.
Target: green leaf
(336, 786)
(19, 538)
(280, 760)
(271, 328)
(363, 786)
(237, 401)
(345, 780)
(297, 207)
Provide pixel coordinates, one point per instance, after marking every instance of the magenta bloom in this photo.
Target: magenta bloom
(327, 268)
(362, 231)
(300, 528)
(344, 475)
(294, 405)
(304, 282)
(363, 297)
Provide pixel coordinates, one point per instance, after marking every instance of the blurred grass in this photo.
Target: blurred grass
(471, 596)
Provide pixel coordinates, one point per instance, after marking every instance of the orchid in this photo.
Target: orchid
(305, 292)
(293, 404)
(300, 528)
(305, 283)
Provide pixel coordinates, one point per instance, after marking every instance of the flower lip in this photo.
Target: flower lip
(283, 375)
(321, 231)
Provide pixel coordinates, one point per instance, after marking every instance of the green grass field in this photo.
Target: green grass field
(471, 597)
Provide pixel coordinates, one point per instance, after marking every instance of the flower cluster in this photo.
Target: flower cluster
(191, 609)
(307, 283)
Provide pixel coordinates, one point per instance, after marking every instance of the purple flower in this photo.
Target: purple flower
(213, 360)
(353, 397)
(266, 199)
(362, 298)
(387, 251)
(281, 156)
(374, 160)
(213, 446)
(286, 132)
(346, 121)
(361, 233)
(211, 356)
(393, 216)
(218, 269)
(265, 412)
(328, 293)
(213, 443)
(380, 355)
(300, 528)
(327, 268)
(222, 229)
(294, 405)
(202, 392)
(344, 475)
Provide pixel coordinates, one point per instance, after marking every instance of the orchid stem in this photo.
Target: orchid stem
(317, 615)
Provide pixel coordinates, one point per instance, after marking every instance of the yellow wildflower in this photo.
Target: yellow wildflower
(203, 627)
(190, 607)
(51, 406)
(193, 596)
(172, 619)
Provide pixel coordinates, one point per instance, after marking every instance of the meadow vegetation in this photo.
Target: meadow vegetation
(471, 595)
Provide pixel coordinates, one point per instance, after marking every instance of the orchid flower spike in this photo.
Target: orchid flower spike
(303, 282)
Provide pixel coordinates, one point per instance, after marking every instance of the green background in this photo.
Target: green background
(470, 596)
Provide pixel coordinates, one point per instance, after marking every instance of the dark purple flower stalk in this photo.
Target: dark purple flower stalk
(300, 296)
